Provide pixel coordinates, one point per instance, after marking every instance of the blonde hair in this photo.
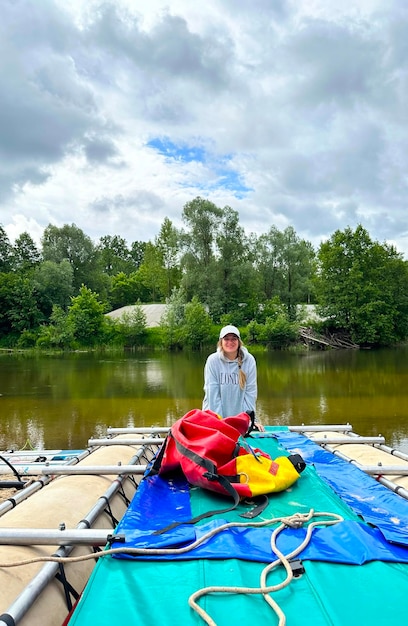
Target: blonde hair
(240, 358)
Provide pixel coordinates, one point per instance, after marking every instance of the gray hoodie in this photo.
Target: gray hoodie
(222, 393)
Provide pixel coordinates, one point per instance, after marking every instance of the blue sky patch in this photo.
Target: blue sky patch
(183, 153)
(225, 177)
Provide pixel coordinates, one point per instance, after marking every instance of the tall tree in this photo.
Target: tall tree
(362, 287)
(168, 242)
(6, 251)
(25, 254)
(53, 284)
(137, 251)
(70, 242)
(202, 219)
(152, 274)
(235, 274)
(115, 256)
(286, 266)
(18, 306)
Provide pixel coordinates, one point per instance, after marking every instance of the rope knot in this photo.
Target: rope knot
(298, 519)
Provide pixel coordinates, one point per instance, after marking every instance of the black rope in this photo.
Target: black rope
(68, 588)
(109, 513)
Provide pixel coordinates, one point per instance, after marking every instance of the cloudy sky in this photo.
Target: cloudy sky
(115, 113)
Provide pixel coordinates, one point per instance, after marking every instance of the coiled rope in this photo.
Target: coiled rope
(294, 521)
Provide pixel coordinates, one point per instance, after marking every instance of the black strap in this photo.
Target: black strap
(210, 474)
(252, 426)
(261, 503)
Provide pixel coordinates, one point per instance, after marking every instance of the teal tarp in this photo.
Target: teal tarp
(147, 593)
(122, 592)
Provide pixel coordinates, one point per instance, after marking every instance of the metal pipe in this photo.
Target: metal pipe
(103, 470)
(38, 584)
(346, 440)
(55, 537)
(385, 470)
(140, 430)
(29, 469)
(139, 441)
(27, 454)
(401, 491)
(35, 486)
(320, 427)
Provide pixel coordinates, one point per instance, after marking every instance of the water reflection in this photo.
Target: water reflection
(63, 401)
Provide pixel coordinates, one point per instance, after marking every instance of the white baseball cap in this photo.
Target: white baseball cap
(229, 329)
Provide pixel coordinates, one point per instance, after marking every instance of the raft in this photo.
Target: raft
(352, 570)
(77, 498)
(330, 550)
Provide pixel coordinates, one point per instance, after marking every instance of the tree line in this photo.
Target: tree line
(209, 272)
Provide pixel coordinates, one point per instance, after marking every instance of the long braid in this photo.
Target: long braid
(241, 375)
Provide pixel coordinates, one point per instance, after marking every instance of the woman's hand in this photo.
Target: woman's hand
(259, 426)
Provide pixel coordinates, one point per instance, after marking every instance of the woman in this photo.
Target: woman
(230, 378)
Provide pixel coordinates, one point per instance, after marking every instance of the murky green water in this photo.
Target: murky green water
(55, 402)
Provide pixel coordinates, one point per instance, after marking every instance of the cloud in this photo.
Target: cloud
(114, 114)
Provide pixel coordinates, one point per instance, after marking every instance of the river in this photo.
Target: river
(62, 401)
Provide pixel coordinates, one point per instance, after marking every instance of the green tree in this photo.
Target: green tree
(235, 280)
(202, 219)
(18, 306)
(362, 287)
(60, 333)
(69, 242)
(26, 255)
(273, 327)
(6, 252)
(86, 314)
(152, 274)
(197, 325)
(286, 267)
(137, 251)
(114, 255)
(171, 323)
(132, 327)
(53, 283)
(168, 242)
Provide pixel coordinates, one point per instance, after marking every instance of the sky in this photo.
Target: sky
(114, 114)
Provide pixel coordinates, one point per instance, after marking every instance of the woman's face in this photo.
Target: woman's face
(230, 345)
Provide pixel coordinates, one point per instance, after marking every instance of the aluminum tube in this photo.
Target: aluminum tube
(320, 427)
(25, 600)
(103, 470)
(136, 441)
(346, 440)
(385, 470)
(53, 537)
(25, 493)
(134, 430)
(398, 489)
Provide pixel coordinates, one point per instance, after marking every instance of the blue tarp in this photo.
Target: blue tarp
(376, 504)
(331, 592)
(159, 501)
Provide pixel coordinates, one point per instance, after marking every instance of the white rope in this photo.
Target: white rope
(295, 521)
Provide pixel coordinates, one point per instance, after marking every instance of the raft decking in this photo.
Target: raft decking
(353, 572)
